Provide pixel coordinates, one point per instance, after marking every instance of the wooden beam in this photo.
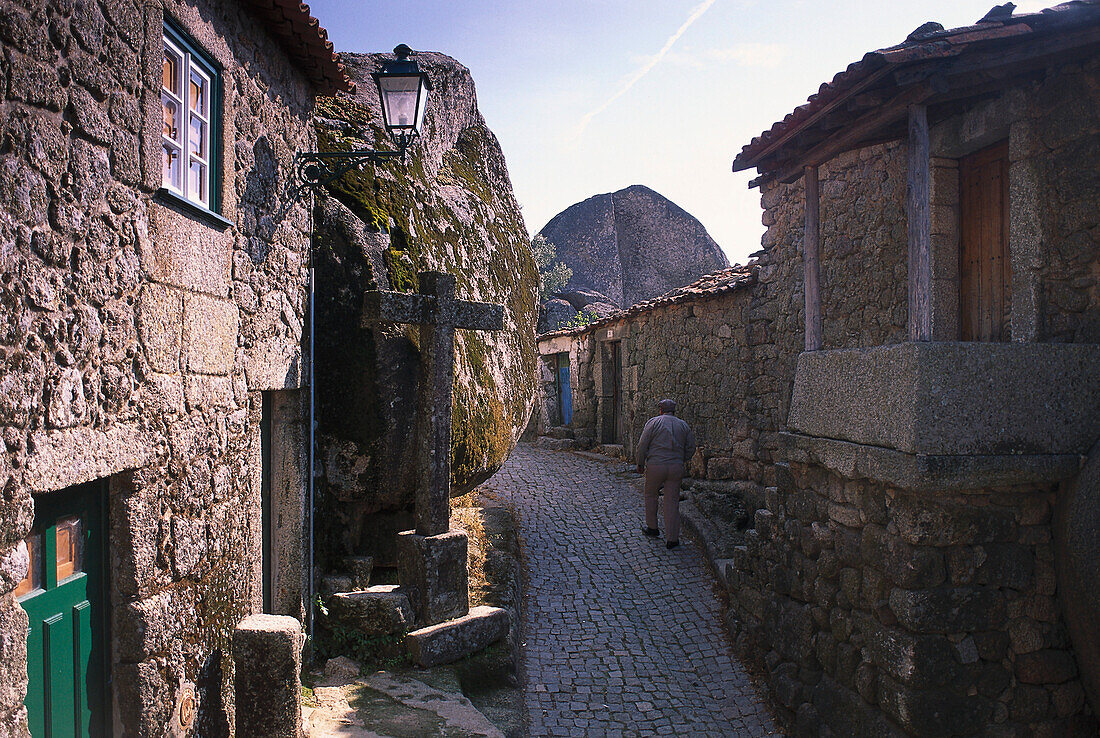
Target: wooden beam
(919, 212)
(852, 136)
(810, 261)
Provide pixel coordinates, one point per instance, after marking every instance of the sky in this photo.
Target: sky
(590, 96)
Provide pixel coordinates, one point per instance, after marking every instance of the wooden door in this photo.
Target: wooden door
(985, 273)
(63, 595)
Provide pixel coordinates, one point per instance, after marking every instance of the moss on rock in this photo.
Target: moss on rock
(447, 207)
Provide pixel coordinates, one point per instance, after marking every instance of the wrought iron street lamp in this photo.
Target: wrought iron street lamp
(403, 91)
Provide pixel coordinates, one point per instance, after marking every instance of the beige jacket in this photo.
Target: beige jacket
(665, 440)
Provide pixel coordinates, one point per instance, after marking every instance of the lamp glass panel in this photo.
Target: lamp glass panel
(399, 97)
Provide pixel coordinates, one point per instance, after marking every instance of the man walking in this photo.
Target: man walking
(663, 451)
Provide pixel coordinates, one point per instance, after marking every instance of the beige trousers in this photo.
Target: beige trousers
(667, 476)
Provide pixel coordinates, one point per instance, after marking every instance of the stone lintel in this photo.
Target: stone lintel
(267, 656)
(432, 571)
(77, 455)
(446, 642)
(927, 472)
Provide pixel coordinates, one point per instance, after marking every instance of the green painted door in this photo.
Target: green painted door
(63, 597)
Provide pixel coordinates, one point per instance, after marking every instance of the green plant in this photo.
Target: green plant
(580, 320)
(553, 276)
(373, 651)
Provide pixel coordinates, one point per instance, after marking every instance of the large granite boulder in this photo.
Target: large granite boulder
(448, 207)
(631, 245)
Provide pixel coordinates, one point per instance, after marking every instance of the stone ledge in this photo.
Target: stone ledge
(944, 398)
(456, 639)
(928, 472)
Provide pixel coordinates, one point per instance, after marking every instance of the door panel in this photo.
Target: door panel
(565, 390)
(64, 603)
(985, 274)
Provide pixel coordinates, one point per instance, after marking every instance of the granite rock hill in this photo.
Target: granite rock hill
(625, 246)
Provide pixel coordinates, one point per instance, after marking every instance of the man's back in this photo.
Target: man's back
(665, 439)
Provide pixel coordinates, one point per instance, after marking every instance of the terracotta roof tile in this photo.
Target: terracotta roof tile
(707, 286)
(919, 47)
(305, 41)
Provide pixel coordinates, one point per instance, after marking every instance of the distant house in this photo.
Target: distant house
(153, 276)
(903, 389)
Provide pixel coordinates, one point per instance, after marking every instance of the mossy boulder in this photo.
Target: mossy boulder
(447, 207)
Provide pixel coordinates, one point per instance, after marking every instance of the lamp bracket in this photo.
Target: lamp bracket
(316, 169)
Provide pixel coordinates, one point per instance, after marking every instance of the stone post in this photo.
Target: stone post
(267, 660)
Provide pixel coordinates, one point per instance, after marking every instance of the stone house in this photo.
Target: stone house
(902, 388)
(153, 391)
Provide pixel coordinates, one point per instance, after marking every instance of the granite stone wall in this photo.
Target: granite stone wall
(136, 337)
(873, 608)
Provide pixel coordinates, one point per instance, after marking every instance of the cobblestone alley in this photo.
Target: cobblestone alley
(623, 637)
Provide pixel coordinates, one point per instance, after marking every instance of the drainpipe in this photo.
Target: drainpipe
(312, 425)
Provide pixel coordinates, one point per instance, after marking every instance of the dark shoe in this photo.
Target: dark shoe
(651, 532)
(672, 544)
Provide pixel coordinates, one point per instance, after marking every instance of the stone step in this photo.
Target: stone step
(456, 639)
(379, 610)
(555, 444)
(560, 431)
(360, 569)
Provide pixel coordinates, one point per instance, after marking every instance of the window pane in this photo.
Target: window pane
(69, 553)
(196, 183)
(196, 136)
(171, 71)
(198, 93)
(33, 580)
(171, 114)
(170, 167)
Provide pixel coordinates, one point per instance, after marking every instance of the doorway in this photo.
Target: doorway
(64, 597)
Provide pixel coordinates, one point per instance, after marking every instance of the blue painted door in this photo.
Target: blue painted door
(565, 390)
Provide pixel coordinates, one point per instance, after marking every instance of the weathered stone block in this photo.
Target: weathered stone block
(143, 698)
(432, 571)
(1045, 667)
(927, 522)
(186, 254)
(907, 566)
(13, 653)
(919, 661)
(450, 641)
(932, 712)
(949, 609)
(210, 330)
(360, 569)
(205, 391)
(383, 609)
(160, 326)
(267, 659)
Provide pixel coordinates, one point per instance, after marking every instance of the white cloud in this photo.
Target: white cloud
(645, 67)
(758, 55)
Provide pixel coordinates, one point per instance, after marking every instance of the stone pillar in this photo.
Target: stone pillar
(432, 572)
(267, 659)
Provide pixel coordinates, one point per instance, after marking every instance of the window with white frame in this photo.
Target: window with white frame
(187, 96)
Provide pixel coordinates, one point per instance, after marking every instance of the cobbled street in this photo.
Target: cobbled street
(623, 636)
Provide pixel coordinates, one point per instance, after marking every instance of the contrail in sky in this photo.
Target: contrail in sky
(644, 69)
